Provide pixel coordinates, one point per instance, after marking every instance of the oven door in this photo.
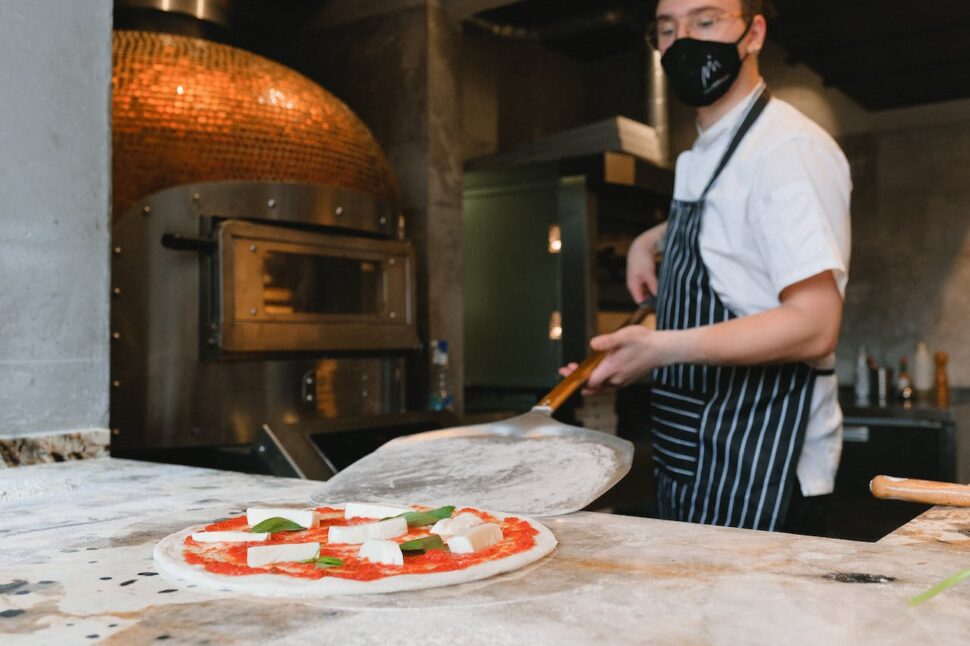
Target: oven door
(281, 289)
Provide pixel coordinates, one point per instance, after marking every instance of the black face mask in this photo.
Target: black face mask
(702, 71)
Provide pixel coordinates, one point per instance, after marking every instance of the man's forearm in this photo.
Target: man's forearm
(778, 335)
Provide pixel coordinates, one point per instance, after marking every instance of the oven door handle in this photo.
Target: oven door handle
(179, 242)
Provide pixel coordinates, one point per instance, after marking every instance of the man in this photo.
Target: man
(746, 425)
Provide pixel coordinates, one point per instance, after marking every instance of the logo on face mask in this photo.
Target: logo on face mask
(708, 70)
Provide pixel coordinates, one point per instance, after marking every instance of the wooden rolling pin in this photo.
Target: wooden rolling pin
(924, 491)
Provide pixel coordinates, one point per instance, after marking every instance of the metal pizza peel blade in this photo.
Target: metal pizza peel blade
(530, 464)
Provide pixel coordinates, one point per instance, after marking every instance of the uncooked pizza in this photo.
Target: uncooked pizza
(356, 548)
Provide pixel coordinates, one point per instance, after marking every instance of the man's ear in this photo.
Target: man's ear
(756, 35)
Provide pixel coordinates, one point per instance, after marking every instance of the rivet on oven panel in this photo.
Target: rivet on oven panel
(116, 431)
(252, 248)
(116, 383)
(116, 335)
(391, 261)
(117, 251)
(364, 393)
(146, 210)
(339, 210)
(116, 291)
(252, 310)
(213, 326)
(271, 203)
(211, 340)
(393, 315)
(383, 220)
(261, 449)
(309, 381)
(196, 197)
(309, 398)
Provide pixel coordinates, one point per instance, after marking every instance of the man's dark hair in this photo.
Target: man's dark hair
(750, 7)
(755, 7)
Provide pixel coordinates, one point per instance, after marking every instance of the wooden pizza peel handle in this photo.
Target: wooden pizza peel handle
(925, 491)
(558, 395)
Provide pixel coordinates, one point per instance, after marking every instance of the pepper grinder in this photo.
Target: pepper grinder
(942, 383)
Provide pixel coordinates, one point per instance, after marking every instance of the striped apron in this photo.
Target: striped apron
(726, 439)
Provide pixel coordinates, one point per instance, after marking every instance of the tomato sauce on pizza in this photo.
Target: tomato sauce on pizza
(229, 559)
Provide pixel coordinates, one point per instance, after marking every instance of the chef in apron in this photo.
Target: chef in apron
(746, 426)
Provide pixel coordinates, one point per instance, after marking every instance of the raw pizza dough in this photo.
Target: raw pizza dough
(170, 562)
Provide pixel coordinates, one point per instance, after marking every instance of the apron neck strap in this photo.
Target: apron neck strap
(752, 115)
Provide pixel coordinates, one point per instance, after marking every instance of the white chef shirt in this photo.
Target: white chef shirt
(778, 213)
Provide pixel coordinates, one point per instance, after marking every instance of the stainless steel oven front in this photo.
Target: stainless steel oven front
(237, 305)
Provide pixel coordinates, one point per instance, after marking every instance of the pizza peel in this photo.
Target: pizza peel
(529, 464)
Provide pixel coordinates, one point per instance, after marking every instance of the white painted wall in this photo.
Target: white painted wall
(55, 78)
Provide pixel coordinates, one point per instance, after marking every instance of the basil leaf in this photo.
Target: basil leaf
(328, 561)
(940, 587)
(421, 518)
(432, 542)
(276, 524)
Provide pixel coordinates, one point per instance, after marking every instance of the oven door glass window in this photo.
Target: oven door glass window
(289, 290)
(309, 284)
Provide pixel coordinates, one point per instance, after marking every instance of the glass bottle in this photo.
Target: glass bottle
(904, 384)
(942, 381)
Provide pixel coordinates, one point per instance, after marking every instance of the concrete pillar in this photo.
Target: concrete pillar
(55, 71)
(396, 65)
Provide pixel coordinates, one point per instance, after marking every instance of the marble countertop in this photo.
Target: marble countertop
(76, 566)
(941, 528)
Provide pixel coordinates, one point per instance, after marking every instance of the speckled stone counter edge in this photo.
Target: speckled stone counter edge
(54, 447)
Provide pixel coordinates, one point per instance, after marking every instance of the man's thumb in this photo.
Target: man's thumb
(604, 342)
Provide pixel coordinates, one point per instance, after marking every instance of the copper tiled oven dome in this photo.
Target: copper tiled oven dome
(192, 110)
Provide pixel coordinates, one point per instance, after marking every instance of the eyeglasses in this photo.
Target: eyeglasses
(703, 24)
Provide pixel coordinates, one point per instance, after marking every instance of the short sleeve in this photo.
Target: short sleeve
(799, 210)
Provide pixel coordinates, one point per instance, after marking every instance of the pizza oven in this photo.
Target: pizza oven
(263, 287)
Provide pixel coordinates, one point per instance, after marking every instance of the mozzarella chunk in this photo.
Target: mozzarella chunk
(229, 537)
(305, 518)
(452, 526)
(384, 552)
(475, 539)
(356, 534)
(281, 553)
(372, 510)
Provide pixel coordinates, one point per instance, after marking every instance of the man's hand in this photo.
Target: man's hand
(633, 351)
(804, 327)
(641, 269)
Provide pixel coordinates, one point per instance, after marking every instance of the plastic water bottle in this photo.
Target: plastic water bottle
(441, 397)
